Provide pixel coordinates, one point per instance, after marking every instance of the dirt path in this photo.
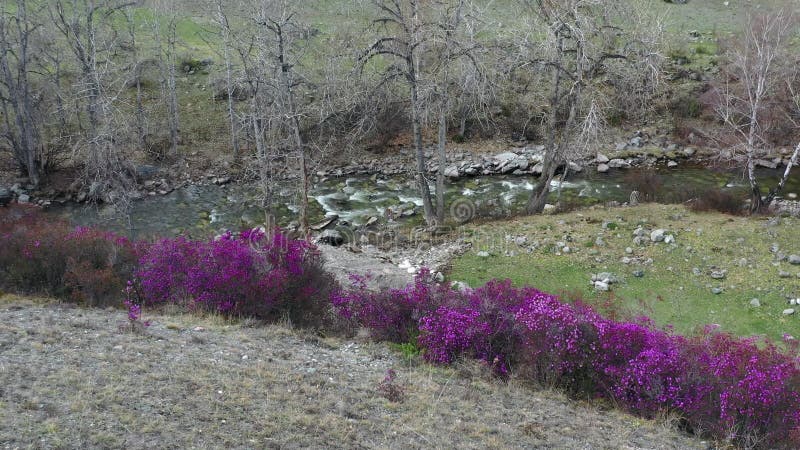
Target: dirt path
(69, 378)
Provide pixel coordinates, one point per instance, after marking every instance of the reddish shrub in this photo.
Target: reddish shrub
(42, 255)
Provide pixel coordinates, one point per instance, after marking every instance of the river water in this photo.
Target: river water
(202, 209)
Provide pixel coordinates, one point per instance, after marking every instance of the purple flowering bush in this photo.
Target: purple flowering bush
(255, 274)
(735, 389)
(42, 255)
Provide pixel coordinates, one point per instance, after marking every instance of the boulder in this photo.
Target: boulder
(657, 235)
(331, 237)
(451, 172)
(602, 159)
(618, 163)
(602, 168)
(5, 196)
(794, 259)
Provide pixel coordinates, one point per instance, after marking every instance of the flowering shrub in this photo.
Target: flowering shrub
(252, 274)
(43, 255)
(736, 389)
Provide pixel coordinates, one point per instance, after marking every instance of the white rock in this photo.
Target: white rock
(788, 312)
(406, 264)
(755, 303)
(657, 235)
(601, 286)
(669, 239)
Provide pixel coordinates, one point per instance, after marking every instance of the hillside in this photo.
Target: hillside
(71, 379)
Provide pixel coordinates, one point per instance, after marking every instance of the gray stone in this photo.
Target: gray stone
(5, 196)
(788, 311)
(640, 240)
(626, 260)
(460, 286)
(23, 199)
(566, 250)
(755, 303)
(672, 164)
(601, 286)
(628, 250)
(689, 151)
(657, 235)
(601, 158)
(520, 240)
(575, 167)
(669, 239)
(618, 163)
(639, 273)
(716, 290)
(483, 254)
(599, 242)
(719, 274)
(603, 168)
(551, 209)
(784, 274)
(696, 271)
(794, 259)
(331, 237)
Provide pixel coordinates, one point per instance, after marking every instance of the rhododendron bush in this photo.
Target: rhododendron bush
(737, 389)
(47, 256)
(253, 273)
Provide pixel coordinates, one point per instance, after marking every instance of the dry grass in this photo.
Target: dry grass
(69, 378)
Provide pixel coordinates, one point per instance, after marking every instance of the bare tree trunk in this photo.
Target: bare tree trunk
(442, 159)
(174, 112)
(226, 36)
(784, 178)
(137, 73)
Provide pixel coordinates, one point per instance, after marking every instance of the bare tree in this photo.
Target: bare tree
(572, 48)
(166, 41)
(401, 38)
(21, 124)
(86, 25)
(137, 75)
(762, 75)
(225, 32)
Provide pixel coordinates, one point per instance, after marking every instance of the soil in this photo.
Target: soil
(79, 378)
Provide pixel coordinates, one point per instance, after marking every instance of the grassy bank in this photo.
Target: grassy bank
(530, 251)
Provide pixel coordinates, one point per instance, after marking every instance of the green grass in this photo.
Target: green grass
(668, 292)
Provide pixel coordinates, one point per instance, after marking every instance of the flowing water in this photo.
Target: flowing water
(199, 209)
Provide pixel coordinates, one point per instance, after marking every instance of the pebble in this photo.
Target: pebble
(755, 303)
(638, 273)
(483, 254)
(716, 290)
(628, 250)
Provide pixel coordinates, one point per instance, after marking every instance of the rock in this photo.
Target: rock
(766, 163)
(145, 172)
(689, 151)
(505, 157)
(483, 254)
(640, 241)
(460, 286)
(601, 286)
(788, 311)
(628, 250)
(520, 240)
(575, 167)
(657, 235)
(672, 164)
(24, 199)
(451, 172)
(755, 303)
(601, 158)
(669, 239)
(538, 169)
(696, 271)
(784, 274)
(794, 259)
(599, 242)
(566, 250)
(325, 223)
(331, 237)
(639, 273)
(716, 290)
(603, 168)
(551, 209)
(605, 277)
(5, 196)
(626, 260)
(719, 274)
(618, 163)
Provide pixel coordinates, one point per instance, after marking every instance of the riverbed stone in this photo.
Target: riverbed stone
(5, 196)
(24, 199)
(602, 159)
(618, 163)
(331, 237)
(603, 168)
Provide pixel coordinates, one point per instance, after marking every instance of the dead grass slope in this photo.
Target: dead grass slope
(69, 378)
